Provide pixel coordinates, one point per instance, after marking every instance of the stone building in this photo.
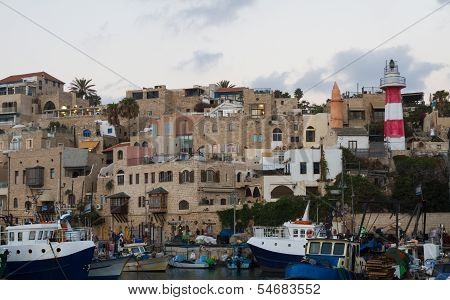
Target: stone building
(24, 97)
(42, 180)
(157, 200)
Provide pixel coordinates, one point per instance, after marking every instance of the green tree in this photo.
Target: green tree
(129, 109)
(113, 114)
(298, 93)
(280, 94)
(442, 99)
(82, 87)
(225, 84)
(94, 100)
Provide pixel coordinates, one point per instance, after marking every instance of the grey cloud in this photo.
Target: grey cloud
(201, 60)
(195, 13)
(273, 81)
(369, 70)
(366, 72)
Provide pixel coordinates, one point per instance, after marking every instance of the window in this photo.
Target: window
(32, 235)
(295, 127)
(230, 126)
(130, 181)
(27, 205)
(86, 133)
(167, 128)
(302, 233)
(316, 166)
(165, 176)
(186, 176)
(338, 249)
(314, 248)
(310, 134)
(295, 139)
(120, 177)
(11, 236)
(71, 200)
(52, 173)
(257, 110)
(356, 115)
(29, 144)
(214, 127)
(24, 176)
(144, 145)
(258, 138)
(277, 135)
(152, 94)
(238, 177)
(145, 178)
(40, 235)
(326, 248)
(303, 168)
(15, 203)
(120, 155)
(16, 175)
(352, 145)
(137, 95)
(295, 233)
(153, 177)
(223, 201)
(45, 235)
(137, 178)
(378, 115)
(211, 176)
(183, 205)
(19, 236)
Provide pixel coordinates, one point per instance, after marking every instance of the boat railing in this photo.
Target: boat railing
(275, 232)
(73, 234)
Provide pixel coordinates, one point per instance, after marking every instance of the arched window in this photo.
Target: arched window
(238, 177)
(144, 145)
(280, 191)
(120, 155)
(86, 133)
(15, 203)
(136, 144)
(310, 134)
(120, 177)
(256, 193)
(277, 135)
(49, 105)
(183, 205)
(27, 205)
(248, 192)
(210, 176)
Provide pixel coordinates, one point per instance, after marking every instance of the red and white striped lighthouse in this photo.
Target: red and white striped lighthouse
(392, 84)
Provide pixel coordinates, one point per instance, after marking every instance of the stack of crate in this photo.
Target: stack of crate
(380, 268)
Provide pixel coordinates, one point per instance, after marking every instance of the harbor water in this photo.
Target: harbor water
(218, 273)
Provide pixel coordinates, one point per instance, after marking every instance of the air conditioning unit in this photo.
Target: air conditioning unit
(98, 206)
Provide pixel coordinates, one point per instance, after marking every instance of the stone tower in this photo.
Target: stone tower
(337, 108)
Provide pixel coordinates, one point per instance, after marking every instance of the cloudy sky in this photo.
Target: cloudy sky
(280, 44)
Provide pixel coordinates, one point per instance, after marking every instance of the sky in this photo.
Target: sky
(284, 44)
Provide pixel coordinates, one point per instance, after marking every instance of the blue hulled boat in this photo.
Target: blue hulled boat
(47, 251)
(329, 259)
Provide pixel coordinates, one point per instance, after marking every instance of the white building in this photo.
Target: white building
(302, 173)
(352, 138)
(106, 129)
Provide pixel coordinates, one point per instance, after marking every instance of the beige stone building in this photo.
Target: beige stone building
(24, 97)
(168, 197)
(42, 180)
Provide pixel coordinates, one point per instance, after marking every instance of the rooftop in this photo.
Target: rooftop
(20, 77)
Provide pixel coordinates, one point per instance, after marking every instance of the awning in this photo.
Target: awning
(89, 144)
(118, 195)
(159, 190)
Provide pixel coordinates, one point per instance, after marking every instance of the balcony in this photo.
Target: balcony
(119, 209)
(157, 202)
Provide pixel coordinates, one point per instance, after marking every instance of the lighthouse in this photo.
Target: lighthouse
(392, 84)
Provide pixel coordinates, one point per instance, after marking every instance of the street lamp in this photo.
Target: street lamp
(233, 199)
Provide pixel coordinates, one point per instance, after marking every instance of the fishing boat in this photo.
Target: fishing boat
(328, 259)
(3, 259)
(276, 247)
(144, 261)
(181, 261)
(108, 269)
(47, 251)
(238, 261)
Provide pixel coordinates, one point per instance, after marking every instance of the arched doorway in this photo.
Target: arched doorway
(49, 105)
(280, 191)
(256, 193)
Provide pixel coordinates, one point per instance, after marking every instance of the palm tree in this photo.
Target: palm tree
(441, 98)
(225, 84)
(82, 88)
(94, 100)
(113, 114)
(128, 109)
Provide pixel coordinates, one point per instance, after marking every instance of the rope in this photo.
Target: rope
(57, 261)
